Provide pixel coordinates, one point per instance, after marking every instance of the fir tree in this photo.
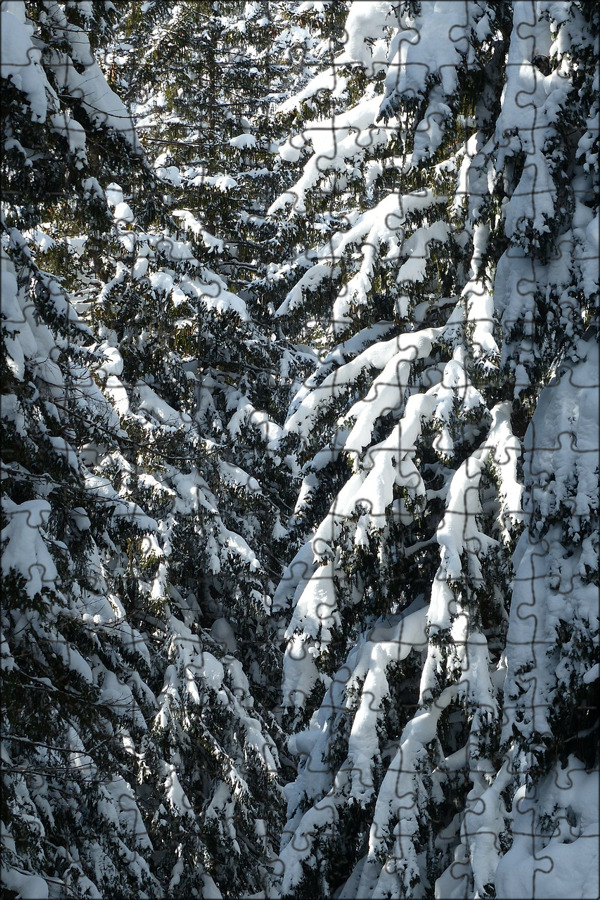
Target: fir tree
(129, 720)
(299, 311)
(446, 288)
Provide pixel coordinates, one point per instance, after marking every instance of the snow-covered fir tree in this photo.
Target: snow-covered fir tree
(443, 622)
(135, 761)
(299, 324)
(214, 154)
(213, 174)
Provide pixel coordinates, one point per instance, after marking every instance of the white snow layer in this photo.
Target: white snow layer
(565, 862)
(20, 61)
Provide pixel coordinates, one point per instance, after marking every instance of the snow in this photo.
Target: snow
(222, 632)
(65, 125)
(565, 862)
(20, 59)
(114, 194)
(505, 455)
(213, 293)
(116, 390)
(295, 576)
(150, 401)
(458, 531)
(369, 659)
(332, 145)
(247, 414)
(322, 816)
(26, 550)
(366, 28)
(25, 886)
(243, 141)
(26, 337)
(114, 360)
(387, 388)
(449, 394)
(400, 437)
(118, 695)
(102, 489)
(383, 224)
(170, 174)
(567, 406)
(236, 475)
(309, 401)
(315, 613)
(123, 214)
(326, 80)
(209, 889)
(175, 793)
(533, 201)
(104, 107)
(385, 645)
(188, 220)
(552, 584)
(428, 45)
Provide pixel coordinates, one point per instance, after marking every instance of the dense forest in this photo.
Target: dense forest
(299, 449)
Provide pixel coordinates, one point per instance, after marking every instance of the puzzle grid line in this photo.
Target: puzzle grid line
(368, 460)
